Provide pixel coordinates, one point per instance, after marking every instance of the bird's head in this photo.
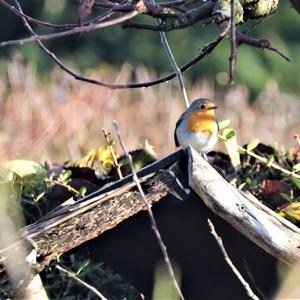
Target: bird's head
(202, 105)
(201, 117)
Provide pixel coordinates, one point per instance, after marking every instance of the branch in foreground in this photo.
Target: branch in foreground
(205, 51)
(150, 213)
(45, 23)
(245, 284)
(186, 19)
(253, 219)
(171, 21)
(79, 29)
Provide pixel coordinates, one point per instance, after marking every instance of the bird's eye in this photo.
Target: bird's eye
(203, 106)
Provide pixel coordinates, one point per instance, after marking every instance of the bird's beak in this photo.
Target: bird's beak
(212, 107)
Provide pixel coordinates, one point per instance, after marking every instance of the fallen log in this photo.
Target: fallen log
(257, 222)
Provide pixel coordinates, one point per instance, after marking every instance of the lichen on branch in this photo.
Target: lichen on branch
(245, 9)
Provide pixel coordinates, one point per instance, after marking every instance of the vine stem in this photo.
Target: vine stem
(260, 158)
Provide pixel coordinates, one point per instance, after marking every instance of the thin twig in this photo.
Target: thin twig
(246, 285)
(260, 158)
(68, 187)
(75, 30)
(175, 66)
(73, 276)
(168, 50)
(48, 24)
(203, 53)
(258, 43)
(150, 213)
(234, 48)
(258, 22)
(117, 165)
(278, 52)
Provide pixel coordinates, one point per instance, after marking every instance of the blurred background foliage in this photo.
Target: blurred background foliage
(114, 46)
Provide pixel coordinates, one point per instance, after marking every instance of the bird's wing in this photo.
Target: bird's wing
(177, 124)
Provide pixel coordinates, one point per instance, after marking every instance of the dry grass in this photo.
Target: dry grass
(60, 118)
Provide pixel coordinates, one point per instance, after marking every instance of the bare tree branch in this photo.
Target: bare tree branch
(45, 23)
(179, 22)
(169, 21)
(233, 56)
(79, 29)
(205, 51)
(245, 284)
(171, 57)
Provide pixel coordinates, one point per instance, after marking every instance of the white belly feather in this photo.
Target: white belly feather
(199, 141)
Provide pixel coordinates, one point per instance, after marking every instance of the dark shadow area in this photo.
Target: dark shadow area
(132, 250)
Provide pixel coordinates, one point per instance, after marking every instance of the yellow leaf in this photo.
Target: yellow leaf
(105, 157)
(87, 160)
(292, 211)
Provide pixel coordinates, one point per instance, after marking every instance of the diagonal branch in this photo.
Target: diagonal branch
(205, 51)
(242, 38)
(45, 23)
(173, 21)
(75, 30)
(150, 213)
(219, 241)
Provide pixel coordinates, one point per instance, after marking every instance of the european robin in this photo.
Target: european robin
(198, 126)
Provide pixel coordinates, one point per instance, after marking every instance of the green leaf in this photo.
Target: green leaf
(252, 145)
(82, 191)
(65, 176)
(229, 133)
(242, 185)
(230, 144)
(223, 124)
(111, 142)
(248, 181)
(296, 181)
(296, 168)
(233, 181)
(241, 151)
(285, 197)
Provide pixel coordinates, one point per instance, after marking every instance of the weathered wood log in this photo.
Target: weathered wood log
(69, 226)
(54, 237)
(268, 230)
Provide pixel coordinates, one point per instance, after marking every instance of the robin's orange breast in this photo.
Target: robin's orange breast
(202, 122)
